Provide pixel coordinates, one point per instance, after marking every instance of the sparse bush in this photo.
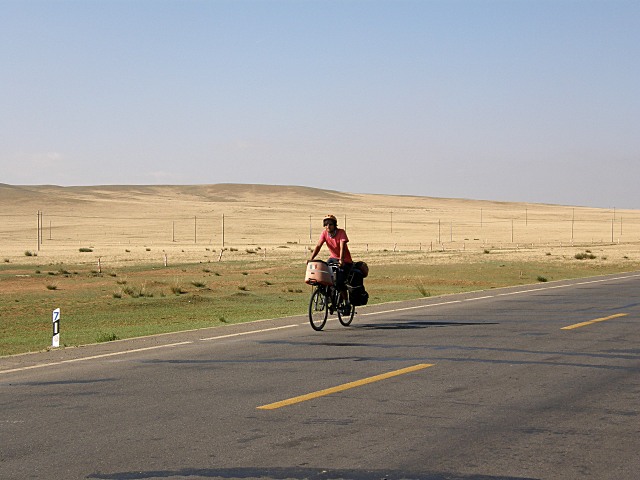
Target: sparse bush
(487, 250)
(148, 249)
(6, 260)
(51, 286)
(106, 337)
(85, 249)
(28, 253)
(542, 279)
(222, 319)
(245, 273)
(117, 294)
(199, 284)
(130, 291)
(267, 282)
(584, 256)
(243, 288)
(423, 291)
(177, 290)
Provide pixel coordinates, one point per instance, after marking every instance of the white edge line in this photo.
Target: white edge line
(247, 333)
(409, 308)
(93, 357)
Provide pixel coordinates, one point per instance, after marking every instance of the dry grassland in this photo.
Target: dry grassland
(251, 264)
(142, 224)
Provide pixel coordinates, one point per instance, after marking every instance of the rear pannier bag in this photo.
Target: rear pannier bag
(357, 294)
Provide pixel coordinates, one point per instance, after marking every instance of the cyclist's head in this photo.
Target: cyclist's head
(330, 219)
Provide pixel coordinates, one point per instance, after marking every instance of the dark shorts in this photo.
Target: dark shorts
(342, 273)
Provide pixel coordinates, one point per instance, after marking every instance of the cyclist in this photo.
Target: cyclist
(336, 240)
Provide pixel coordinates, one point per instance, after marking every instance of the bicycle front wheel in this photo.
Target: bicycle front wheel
(318, 309)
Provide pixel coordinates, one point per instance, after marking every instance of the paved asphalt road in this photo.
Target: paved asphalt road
(494, 388)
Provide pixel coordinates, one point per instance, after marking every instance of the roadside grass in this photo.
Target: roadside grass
(96, 308)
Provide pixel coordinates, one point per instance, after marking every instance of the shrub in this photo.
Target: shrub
(6, 260)
(86, 249)
(28, 253)
(117, 294)
(542, 279)
(178, 290)
(198, 284)
(584, 256)
(243, 288)
(423, 291)
(487, 250)
(51, 286)
(106, 337)
(130, 291)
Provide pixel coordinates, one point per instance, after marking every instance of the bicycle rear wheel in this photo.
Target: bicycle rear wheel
(318, 308)
(345, 319)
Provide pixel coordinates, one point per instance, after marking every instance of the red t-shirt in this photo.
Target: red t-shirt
(334, 244)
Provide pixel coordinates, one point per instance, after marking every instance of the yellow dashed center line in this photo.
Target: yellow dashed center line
(590, 322)
(343, 387)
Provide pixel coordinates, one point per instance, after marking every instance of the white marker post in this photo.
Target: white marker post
(55, 342)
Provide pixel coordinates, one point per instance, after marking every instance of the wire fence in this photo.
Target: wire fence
(368, 231)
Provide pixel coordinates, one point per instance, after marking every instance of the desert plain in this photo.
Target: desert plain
(124, 261)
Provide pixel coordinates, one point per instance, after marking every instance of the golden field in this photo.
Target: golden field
(236, 253)
(148, 224)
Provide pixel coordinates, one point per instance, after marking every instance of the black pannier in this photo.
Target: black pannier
(355, 284)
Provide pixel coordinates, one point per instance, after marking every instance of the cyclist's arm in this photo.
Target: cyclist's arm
(343, 244)
(317, 249)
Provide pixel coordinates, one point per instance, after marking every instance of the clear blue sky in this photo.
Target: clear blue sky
(501, 100)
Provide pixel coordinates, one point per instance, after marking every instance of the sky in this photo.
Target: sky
(532, 101)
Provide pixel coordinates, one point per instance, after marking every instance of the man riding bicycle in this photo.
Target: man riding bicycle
(336, 240)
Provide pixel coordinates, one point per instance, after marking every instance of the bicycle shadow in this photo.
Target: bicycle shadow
(416, 324)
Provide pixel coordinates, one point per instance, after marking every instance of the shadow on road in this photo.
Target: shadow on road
(295, 473)
(406, 325)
